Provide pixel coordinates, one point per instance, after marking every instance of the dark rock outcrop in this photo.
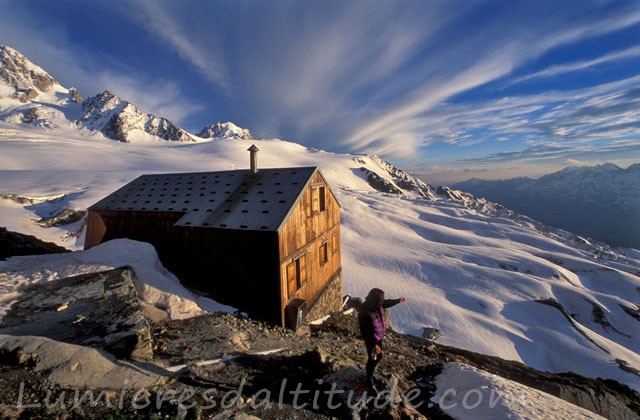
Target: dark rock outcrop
(14, 244)
(30, 115)
(404, 180)
(61, 218)
(74, 95)
(334, 353)
(380, 184)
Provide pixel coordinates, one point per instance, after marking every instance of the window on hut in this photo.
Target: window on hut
(318, 199)
(323, 199)
(324, 253)
(296, 275)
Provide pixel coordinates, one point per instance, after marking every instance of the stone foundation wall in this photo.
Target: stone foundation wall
(330, 300)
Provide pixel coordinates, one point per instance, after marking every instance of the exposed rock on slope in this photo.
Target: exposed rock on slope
(225, 130)
(27, 79)
(12, 244)
(481, 205)
(405, 181)
(333, 353)
(117, 119)
(387, 178)
(75, 96)
(98, 310)
(380, 184)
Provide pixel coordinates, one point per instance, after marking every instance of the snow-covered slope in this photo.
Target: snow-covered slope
(225, 130)
(464, 392)
(489, 280)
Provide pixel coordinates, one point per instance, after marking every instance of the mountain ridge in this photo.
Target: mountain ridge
(601, 201)
(119, 119)
(115, 118)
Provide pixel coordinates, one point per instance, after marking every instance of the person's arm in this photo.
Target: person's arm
(388, 303)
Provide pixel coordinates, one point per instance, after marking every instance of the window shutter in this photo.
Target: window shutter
(302, 261)
(291, 279)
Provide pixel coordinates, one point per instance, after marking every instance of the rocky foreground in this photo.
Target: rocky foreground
(88, 347)
(85, 347)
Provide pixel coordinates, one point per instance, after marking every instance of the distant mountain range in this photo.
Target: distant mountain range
(29, 95)
(601, 202)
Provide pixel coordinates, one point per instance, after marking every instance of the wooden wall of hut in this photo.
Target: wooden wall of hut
(310, 239)
(153, 227)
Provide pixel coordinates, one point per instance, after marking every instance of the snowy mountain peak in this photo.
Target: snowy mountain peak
(26, 79)
(123, 121)
(100, 107)
(22, 83)
(225, 130)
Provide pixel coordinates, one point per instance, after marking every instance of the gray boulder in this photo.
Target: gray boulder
(99, 310)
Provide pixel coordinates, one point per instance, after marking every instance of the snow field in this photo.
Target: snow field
(464, 392)
(474, 277)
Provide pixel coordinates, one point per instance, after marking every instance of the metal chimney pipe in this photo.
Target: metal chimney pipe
(253, 156)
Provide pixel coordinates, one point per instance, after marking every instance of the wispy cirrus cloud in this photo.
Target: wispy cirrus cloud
(202, 52)
(573, 115)
(350, 77)
(556, 70)
(559, 154)
(595, 23)
(417, 116)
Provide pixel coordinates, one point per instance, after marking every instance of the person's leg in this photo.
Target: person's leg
(371, 366)
(372, 362)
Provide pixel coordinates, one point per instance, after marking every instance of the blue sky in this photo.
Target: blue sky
(448, 89)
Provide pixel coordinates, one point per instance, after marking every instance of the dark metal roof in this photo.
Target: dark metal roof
(224, 200)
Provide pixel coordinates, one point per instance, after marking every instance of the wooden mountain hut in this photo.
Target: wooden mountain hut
(265, 241)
